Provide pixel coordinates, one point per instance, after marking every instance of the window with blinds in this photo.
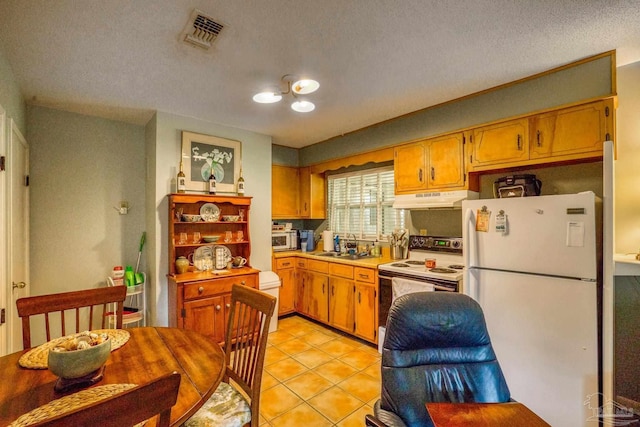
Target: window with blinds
(362, 203)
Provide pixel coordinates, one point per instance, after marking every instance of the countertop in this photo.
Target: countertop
(363, 262)
(626, 265)
(193, 276)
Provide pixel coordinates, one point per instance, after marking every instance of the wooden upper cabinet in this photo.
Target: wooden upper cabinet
(284, 192)
(431, 164)
(312, 194)
(409, 167)
(498, 143)
(572, 132)
(446, 162)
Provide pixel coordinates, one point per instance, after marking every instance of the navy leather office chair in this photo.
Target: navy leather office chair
(436, 349)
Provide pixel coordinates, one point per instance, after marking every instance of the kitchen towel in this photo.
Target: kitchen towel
(401, 287)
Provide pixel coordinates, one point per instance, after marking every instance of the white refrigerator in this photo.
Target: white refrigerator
(532, 265)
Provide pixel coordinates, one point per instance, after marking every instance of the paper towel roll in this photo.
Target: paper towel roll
(327, 240)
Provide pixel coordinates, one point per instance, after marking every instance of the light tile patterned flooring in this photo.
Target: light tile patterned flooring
(314, 376)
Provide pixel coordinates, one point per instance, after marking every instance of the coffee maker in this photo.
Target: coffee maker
(308, 236)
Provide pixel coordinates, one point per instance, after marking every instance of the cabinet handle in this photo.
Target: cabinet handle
(363, 276)
(359, 300)
(200, 289)
(286, 264)
(420, 174)
(433, 173)
(218, 307)
(519, 143)
(323, 288)
(305, 206)
(538, 138)
(333, 290)
(243, 283)
(228, 305)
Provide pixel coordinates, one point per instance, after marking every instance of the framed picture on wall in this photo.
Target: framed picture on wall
(202, 153)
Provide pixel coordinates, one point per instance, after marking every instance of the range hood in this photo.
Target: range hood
(435, 200)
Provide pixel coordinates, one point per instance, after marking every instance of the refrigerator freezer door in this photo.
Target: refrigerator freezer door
(552, 235)
(544, 333)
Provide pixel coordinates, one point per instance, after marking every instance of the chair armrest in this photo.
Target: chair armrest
(383, 418)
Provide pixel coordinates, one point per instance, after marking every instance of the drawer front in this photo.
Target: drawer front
(365, 275)
(301, 263)
(205, 288)
(319, 266)
(341, 270)
(283, 263)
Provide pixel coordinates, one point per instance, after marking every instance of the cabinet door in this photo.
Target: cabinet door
(302, 290)
(571, 132)
(446, 162)
(312, 194)
(500, 143)
(409, 167)
(365, 312)
(341, 304)
(284, 192)
(206, 316)
(318, 296)
(286, 304)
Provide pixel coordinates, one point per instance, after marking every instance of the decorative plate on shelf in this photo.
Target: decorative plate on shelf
(210, 212)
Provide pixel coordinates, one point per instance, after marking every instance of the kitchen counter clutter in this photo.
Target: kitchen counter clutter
(339, 291)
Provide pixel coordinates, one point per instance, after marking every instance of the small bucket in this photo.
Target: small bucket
(396, 252)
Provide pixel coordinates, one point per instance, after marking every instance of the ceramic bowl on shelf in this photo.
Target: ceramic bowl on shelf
(190, 218)
(78, 363)
(231, 218)
(210, 239)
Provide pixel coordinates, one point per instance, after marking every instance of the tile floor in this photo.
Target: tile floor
(314, 376)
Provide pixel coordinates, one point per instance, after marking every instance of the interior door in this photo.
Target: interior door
(17, 232)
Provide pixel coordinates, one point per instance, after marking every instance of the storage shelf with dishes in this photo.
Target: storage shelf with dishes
(221, 219)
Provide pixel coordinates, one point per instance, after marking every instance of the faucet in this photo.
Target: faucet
(355, 241)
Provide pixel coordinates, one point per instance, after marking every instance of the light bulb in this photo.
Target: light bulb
(305, 86)
(267, 97)
(303, 106)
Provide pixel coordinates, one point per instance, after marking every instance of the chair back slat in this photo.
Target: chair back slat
(71, 302)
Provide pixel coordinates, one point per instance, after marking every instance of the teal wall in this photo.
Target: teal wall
(10, 97)
(589, 80)
(284, 156)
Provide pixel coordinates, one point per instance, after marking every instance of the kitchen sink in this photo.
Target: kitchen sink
(343, 256)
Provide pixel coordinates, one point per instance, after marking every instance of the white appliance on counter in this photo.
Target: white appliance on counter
(532, 264)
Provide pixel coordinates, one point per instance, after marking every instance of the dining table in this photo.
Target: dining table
(506, 414)
(148, 353)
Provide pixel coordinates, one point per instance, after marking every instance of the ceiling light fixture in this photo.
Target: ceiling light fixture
(295, 87)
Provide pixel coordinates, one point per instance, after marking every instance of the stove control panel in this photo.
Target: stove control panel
(436, 243)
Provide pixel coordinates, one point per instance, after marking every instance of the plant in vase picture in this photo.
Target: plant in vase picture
(214, 160)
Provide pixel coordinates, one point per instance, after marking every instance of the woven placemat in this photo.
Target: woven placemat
(37, 358)
(69, 403)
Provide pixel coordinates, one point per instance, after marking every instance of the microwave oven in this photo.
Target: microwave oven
(284, 240)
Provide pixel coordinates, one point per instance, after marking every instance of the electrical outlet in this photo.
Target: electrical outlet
(423, 231)
(124, 208)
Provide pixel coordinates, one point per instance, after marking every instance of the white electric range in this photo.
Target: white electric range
(412, 275)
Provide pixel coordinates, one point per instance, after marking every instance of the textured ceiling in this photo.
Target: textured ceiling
(374, 59)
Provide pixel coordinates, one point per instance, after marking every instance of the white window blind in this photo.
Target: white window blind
(362, 203)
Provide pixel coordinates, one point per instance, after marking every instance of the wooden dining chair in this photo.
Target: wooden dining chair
(54, 306)
(125, 409)
(245, 345)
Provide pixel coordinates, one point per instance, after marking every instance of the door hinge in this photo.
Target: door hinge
(606, 111)
(26, 181)
(2, 163)
(183, 313)
(3, 316)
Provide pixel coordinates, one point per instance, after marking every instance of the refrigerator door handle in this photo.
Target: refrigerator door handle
(470, 254)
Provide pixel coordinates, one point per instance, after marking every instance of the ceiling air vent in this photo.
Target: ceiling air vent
(201, 30)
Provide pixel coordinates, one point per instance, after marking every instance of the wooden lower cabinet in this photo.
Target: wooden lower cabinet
(204, 305)
(285, 269)
(341, 303)
(366, 302)
(340, 295)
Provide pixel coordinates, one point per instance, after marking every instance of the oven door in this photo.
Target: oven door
(392, 285)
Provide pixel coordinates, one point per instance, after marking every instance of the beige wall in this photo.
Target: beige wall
(627, 165)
